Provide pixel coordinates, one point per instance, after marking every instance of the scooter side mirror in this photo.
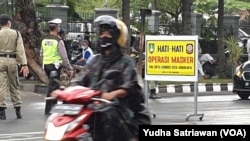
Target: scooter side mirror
(111, 74)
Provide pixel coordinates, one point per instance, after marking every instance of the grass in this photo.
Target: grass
(216, 81)
(208, 81)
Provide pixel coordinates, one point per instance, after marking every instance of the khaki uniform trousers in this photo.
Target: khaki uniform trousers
(9, 81)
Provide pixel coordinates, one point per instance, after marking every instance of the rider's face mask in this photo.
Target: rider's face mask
(105, 39)
(105, 42)
(84, 47)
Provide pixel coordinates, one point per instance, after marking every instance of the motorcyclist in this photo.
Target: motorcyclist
(208, 64)
(112, 38)
(207, 58)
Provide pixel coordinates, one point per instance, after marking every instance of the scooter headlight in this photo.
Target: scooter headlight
(74, 123)
(50, 118)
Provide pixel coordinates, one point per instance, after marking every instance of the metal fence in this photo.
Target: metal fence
(75, 25)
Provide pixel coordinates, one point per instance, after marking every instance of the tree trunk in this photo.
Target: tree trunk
(25, 21)
(220, 43)
(142, 40)
(126, 19)
(186, 17)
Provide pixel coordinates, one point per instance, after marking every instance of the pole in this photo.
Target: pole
(195, 97)
(146, 92)
(142, 36)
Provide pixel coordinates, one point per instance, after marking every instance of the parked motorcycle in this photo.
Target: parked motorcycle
(209, 69)
(76, 118)
(209, 65)
(75, 51)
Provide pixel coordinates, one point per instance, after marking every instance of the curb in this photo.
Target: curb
(31, 86)
(189, 88)
(40, 89)
(27, 86)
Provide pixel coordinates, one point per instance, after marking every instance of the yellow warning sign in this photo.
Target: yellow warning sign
(170, 57)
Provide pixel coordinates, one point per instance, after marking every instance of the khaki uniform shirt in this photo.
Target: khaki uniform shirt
(9, 44)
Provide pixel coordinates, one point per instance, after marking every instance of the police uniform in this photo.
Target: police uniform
(54, 57)
(11, 47)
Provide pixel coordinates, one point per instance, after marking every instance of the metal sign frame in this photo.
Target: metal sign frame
(172, 58)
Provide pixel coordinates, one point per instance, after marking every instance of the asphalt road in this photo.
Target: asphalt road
(220, 108)
(214, 109)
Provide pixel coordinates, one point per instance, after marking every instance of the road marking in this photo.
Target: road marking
(21, 136)
(22, 139)
(25, 133)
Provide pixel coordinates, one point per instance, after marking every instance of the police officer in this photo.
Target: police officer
(55, 57)
(11, 47)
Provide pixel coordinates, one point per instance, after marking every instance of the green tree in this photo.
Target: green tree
(72, 12)
(173, 8)
(235, 51)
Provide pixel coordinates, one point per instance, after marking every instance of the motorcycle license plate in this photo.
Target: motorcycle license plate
(67, 109)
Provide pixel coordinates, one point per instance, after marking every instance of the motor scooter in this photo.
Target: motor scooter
(209, 69)
(75, 117)
(209, 65)
(75, 55)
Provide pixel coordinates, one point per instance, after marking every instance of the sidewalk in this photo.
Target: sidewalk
(32, 86)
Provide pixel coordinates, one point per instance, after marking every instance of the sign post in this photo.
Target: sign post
(172, 58)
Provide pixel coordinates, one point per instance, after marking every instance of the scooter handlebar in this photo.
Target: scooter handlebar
(113, 102)
(101, 99)
(50, 98)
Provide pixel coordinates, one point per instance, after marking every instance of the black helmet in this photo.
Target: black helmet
(61, 31)
(119, 28)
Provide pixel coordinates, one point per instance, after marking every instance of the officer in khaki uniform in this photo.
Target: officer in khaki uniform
(55, 57)
(11, 47)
